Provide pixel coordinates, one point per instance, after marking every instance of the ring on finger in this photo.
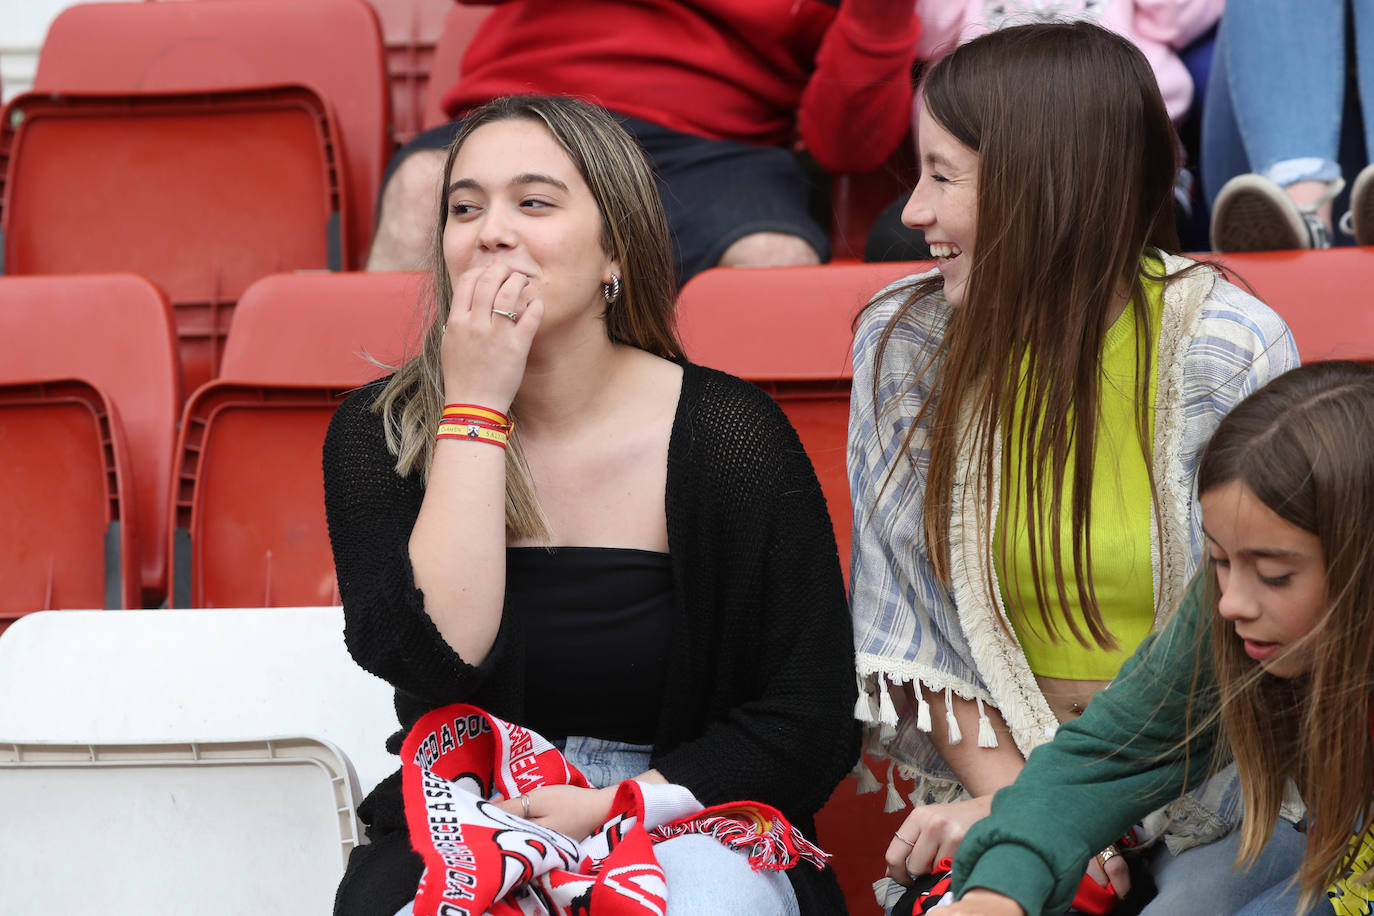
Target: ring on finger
(524, 806)
(903, 839)
(505, 314)
(1106, 855)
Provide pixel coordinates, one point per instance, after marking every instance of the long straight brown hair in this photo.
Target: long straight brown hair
(1076, 166)
(633, 230)
(1304, 445)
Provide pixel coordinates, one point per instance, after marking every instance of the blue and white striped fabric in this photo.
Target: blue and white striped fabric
(1217, 344)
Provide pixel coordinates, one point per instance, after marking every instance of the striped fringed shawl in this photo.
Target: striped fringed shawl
(1217, 344)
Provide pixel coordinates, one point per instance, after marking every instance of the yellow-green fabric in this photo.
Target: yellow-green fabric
(1119, 530)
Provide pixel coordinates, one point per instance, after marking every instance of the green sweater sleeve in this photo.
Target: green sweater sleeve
(1123, 758)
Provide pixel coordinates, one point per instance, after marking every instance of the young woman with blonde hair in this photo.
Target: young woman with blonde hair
(1025, 426)
(643, 571)
(1269, 663)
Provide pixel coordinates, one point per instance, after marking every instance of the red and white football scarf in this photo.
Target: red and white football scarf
(479, 859)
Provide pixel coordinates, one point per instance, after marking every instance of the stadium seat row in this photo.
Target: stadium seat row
(188, 493)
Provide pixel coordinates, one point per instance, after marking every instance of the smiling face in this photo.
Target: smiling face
(516, 198)
(1272, 576)
(944, 204)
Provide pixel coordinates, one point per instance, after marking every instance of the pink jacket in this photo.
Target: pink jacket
(1158, 27)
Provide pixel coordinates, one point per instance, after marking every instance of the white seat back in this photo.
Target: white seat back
(260, 827)
(95, 677)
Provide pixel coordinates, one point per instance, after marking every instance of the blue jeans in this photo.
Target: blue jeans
(1202, 881)
(704, 878)
(1276, 93)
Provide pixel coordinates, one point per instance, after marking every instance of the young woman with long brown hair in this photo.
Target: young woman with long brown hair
(1025, 425)
(645, 573)
(1268, 663)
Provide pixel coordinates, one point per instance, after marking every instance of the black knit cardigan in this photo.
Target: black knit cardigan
(760, 690)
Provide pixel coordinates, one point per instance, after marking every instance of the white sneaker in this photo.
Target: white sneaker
(1253, 213)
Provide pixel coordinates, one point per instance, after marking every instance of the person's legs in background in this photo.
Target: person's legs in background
(732, 204)
(402, 237)
(1361, 222)
(728, 204)
(1283, 64)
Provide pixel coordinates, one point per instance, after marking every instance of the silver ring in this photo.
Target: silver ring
(524, 798)
(502, 312)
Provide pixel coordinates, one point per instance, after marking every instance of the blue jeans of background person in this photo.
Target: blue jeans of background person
(1203, 881)
(1277, 89)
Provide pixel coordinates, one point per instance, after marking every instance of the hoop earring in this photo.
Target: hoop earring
(611, 291)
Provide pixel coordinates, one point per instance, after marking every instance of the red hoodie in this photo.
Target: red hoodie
(755, 71)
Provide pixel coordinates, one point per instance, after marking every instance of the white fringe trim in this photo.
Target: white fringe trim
(887, 712)
(953, 734)
(1001, 661)
(1170, 558)
(986, 736)
(894, 798)
(922, 708)
(867, 782)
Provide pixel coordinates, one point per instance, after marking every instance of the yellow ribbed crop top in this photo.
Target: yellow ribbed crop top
(1120, 523)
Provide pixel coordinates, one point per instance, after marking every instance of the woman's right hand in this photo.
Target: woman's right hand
(484, 352)
(980, 902)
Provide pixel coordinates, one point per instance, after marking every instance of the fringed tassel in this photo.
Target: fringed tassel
(863, 706)
(952, 722)
(922, 708)
(887, 713)
(894, 798)
(867, 782)
(986, 736)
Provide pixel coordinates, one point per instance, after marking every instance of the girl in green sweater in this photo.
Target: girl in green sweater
(1269, 663)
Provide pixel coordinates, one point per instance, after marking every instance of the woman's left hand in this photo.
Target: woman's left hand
(931, 833)
(571, 810)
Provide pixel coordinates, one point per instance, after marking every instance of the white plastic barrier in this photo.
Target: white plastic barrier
(99, 677)
(260, 827)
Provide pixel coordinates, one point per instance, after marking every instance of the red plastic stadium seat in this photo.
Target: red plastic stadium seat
(249, 527)
(788, 330)
(459, 27)
(858, 198)
(65, 464)
(1324, 295)
(410, 31)
(200, 192)
(115, 332)
(320, 329)
(332, 46)
(855, 831)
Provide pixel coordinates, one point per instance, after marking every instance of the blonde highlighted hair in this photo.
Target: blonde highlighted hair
(633, 231)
